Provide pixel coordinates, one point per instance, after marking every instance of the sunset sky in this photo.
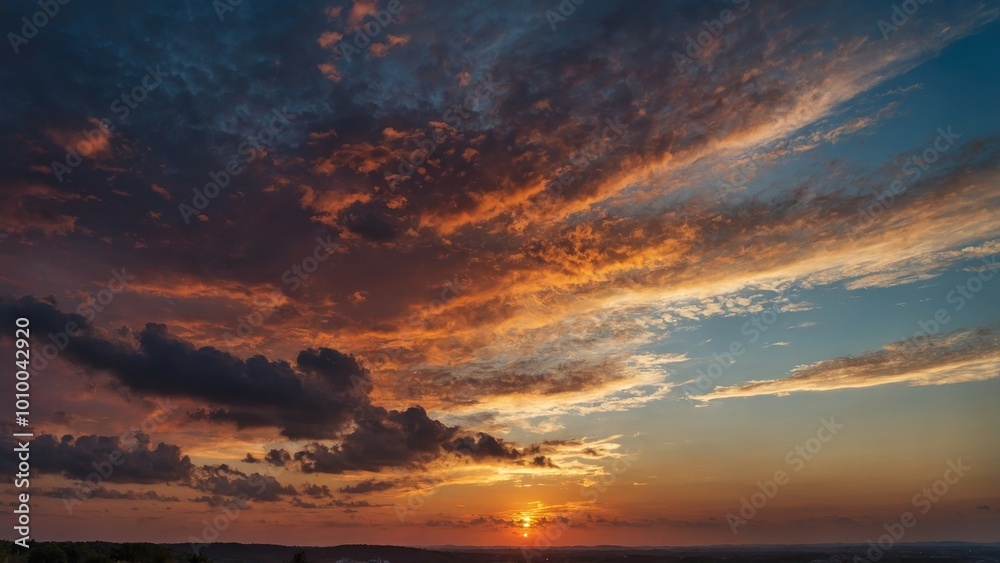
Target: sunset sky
(470, 273)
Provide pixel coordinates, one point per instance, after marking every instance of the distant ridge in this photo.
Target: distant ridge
(269, 553)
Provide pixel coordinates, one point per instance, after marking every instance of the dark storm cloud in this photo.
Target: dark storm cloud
(255, 392)
(336, 503)
(109, 494)
(224, 481)
(213, 500)
(381, 439)
(106, 456)
(341, 372)
(385, 439)
(45, 317)
(104, 459)
(316, 491)
(369, 224)
(367, 486)
(542, 461)
(278, 457)
(327, 391)
(485, 446)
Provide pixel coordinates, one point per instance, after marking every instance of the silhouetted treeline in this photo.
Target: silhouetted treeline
(93, 552)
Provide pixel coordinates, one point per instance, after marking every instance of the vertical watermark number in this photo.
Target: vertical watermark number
(22, 408)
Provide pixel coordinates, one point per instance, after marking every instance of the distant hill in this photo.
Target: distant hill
(106, 552)
(959, 552)
(256, 553)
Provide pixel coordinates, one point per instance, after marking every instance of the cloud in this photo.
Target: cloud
(367, 486)
(31, 208)
(316, 401)
(136, 462)
(278, 457)
(224, 481)
(316, 491)
(568, 285)
(486, 447)
(326, 396)
(393, 439)
(543, 264)
(381, 439)
(956, 357)
(109, 494)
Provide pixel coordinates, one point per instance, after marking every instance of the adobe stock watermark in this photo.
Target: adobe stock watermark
(365, 35)
(228, 513)
(913, 168)
(247, 152)
(223, 7)
(545, 537)
(582, 159)
(563, 10)
(481, 99)
(593, 493)
(958, 297)
(925, 499)
(88, 310)
(129, 442)
(31, 27)
(416, 500)
(466, 445)
(796, 459)
(605, 322)
(293, 277)
(900, 16)
(121, 107)
(738, 178)
(450, 290)
(696, 46)
(753, 329)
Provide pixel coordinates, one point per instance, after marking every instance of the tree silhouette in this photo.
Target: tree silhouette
(47, 553)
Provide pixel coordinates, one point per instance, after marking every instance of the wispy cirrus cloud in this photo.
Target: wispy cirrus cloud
(955, 357)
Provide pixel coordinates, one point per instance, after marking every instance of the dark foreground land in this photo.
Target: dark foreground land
(102, 552)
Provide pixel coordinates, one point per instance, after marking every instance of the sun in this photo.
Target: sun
(525, 523)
